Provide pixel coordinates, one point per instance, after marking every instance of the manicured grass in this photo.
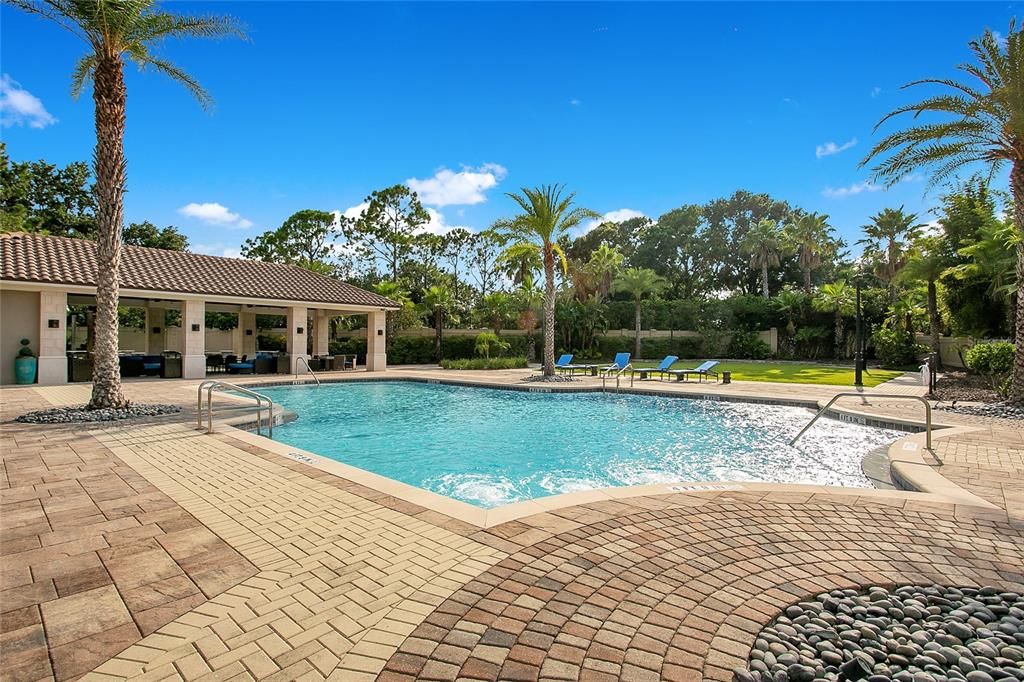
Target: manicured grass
(789, 372)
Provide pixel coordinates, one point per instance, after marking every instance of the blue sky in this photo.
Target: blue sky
(637, 107)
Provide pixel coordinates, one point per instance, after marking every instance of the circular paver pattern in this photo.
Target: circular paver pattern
(681, 592)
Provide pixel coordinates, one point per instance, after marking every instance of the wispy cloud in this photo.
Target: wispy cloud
(19, 107)
(830, 148)
(876, 91)
(575, 102)
(218, 249)
(851, 190)
(616, 216)
(213, 213)
(467, 186)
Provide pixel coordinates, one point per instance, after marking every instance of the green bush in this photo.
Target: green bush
(895, 348)
(993, 360)
(419, 350)
(485, 363)
(489, 342)
(745, 345)
(275, 342)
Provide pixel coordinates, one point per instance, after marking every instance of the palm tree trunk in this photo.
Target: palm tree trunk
(934, 322)
(1017, 378)
(840, 341)
(109, 96)
(636, 343)
(549, 310)
(764, 280)
(807, 280)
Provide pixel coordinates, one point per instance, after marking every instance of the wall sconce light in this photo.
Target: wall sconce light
(53, 324)
(298, 330)
(248, 332)
(195, 327)
(156, 330)
(380, 332)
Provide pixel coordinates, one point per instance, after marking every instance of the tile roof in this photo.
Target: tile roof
(61, 260)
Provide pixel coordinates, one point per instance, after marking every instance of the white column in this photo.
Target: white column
(297, 333)
(193, 334)
(155, 318)
(376, 340)
(247, 323)
(321, 329)
(53, 359)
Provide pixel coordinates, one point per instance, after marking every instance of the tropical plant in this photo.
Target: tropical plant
(993, 259)
(885, 242)
(438, 300)
(497, 310)
(983, 123)
(763, 243)
(604, 263)
(837, 298)
(895, 348)
(906, 310)
(790, 302)
(114, 32)
(488, 342)
(993, 360)
(809, 236)
(639, 283)
(521, 262)
(927, 263)
(546, 215)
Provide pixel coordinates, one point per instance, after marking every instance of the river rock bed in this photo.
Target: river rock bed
(1004, 410)
(916, 633)
(79, 414)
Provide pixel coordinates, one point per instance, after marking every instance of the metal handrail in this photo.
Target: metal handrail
(837, 396)
(618, 375)
(308, 369)
(210, 386)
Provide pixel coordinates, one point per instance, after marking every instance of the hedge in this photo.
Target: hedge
(419, 350)
(485, 363)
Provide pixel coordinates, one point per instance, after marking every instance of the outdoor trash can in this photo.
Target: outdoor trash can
(726, 377)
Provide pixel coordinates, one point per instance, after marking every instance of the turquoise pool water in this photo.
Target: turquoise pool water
(491, 447)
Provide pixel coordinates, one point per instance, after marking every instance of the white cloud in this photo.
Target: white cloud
(446, 187)
(852, 190)
(20, 107)
(215, 214)
(354, 212)
(616, 216)
(830, 148)
(876, 91)
(575, 102)
(218, 249)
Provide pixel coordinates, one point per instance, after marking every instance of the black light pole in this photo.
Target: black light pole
(858, 355)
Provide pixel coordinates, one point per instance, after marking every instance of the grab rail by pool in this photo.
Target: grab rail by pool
(210, 385)
(308, 369)
(618, 375)
(837, 396)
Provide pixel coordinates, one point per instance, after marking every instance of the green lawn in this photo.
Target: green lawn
(790, 372)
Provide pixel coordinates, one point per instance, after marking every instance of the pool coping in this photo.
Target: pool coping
(909, 469)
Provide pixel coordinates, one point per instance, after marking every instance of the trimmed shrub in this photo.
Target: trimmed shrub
(896, 348)
(275, 342)
(745, 345)
(993, 360)
(419, 350)
(489, 342)
(485, 363)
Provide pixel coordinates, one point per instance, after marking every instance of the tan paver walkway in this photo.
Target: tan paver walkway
(330, 579)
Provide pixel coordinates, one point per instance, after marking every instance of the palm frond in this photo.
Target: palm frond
(173, 72)
(82, 74)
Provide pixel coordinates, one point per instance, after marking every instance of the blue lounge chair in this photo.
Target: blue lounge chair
(661, 370)
(245, 366)
(702, 370)
(620, 363)
(564, 362)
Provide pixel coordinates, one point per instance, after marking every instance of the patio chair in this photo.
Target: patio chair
(563, 362)
(620, 363)
(243, 366)
(702, 370)
(661, 370)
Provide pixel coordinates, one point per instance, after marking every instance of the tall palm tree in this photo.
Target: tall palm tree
(809, 236)
(885, 241)
(438, 300)
(763, 243)
(116, 30)
(604, 262)
(639, 283)
(546, 215)
(982, 123)
(927, 263)
(790, 302)
(836, 298)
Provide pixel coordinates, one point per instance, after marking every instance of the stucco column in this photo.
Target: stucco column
(53, 359)
(193, 334)
(247, 323)
(297, 332)
(155, 318)
(376, 339)
(322, 328)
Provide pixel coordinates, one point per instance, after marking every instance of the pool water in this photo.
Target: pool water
(490, 447)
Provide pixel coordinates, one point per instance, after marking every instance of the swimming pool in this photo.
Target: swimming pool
(490, 447)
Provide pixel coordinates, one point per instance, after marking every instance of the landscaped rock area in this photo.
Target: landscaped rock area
(1004, 410)
(79, 413)
(909, 634)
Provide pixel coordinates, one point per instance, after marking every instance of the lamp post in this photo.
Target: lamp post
(858, 355)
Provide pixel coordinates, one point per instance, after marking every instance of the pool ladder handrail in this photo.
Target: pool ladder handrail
(837, 396)
(308, 369)
(212, 384)
(618, 375)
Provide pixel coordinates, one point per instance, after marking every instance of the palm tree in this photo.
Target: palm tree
(993, 258)
(927, 263)
(604, 262)
(790, 302)
(520, 262)
(837, 298)
(115, 31)
(809, 237)
(439, 301)
(546, 216)
(885, 239)
(983, 124)
(496, 309)
(639, 283)
(763, 243)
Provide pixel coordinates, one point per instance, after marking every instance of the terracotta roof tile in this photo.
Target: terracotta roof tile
(60, 260)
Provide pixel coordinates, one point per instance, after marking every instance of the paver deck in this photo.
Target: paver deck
(155, 551)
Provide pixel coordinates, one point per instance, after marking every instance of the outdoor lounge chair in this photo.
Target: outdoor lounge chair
(702, 370)
(563, 362)
(661, 370)
(620, 363)
(245, 366)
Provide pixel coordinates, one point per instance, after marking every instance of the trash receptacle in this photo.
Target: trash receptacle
(726, 377)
